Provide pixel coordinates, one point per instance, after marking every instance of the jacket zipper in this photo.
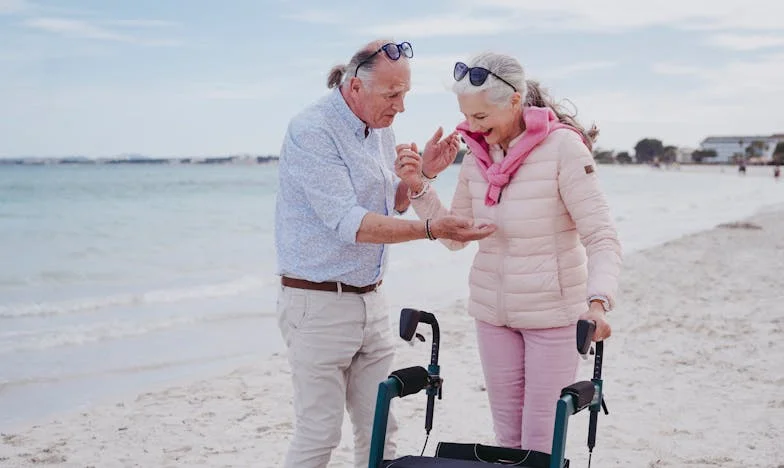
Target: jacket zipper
(502, 315)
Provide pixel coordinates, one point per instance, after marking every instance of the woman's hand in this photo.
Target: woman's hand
(439, 153)
(596, 313)
(408, 166)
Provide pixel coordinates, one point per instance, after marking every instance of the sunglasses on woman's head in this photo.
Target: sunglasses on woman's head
(476, 75)
(393, 51)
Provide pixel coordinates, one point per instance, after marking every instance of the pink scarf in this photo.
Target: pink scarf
(539, 123)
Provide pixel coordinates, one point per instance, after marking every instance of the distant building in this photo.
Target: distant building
(730, 148)
(683, 155)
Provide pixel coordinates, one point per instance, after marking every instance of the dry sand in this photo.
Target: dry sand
(694, 378)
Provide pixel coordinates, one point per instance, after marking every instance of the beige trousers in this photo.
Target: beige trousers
(340, 347)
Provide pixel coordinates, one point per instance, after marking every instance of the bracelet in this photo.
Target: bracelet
(428, 232)
(414, 196)
(428, 177)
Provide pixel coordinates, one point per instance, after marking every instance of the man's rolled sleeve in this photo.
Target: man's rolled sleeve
(349, 225)
(325, 181)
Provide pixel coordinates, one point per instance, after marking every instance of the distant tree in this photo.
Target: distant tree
(669, 154)
(623, 158)
(699, 155)
(778, 153)
(647, 149)
(756, 149)
(604, 156)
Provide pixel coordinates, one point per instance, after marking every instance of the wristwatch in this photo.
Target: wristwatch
(602, 300)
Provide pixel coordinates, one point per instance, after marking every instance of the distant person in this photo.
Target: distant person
(776, 172)
(336, 202)
(555, 257)
(742, 168)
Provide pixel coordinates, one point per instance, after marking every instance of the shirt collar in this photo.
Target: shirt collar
(512, 142)
(355, 123)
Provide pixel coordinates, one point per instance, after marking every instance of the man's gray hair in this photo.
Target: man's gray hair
(498, 92)
(339, 74)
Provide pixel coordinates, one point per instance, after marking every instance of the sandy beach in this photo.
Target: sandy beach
(693, 375)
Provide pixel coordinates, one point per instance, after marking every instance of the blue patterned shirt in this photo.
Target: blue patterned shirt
(331, 175)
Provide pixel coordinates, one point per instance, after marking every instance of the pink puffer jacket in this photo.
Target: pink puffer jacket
(556, 244)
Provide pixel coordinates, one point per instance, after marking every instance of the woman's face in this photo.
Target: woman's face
(498, 124)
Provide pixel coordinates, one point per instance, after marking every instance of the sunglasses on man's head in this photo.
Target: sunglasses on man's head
(476, 75)
(393, 51)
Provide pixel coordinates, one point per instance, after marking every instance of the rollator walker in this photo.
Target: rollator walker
(403, 382)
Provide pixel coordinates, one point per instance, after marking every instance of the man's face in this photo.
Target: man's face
(381, 99)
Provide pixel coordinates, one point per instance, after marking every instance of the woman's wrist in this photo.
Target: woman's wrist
(418, 191)
(416, 187)
(427, 176)
(599, 301)
(597, 306)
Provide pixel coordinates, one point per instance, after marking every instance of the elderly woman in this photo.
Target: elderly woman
(555, 256)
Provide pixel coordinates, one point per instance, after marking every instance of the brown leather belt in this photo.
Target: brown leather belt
(327, 285)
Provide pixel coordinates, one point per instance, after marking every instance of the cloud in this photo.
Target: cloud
(746, 43)
(612, 15)
(317, 17)
(579, 68)
(432, 74)
(674, 69)
(740, 96)
(12, 6)
(737, 81)
(235, 91)
(141, 23)
(73, 28)
(752, 83)
(39, 53)
(435, 26)
(88, 30)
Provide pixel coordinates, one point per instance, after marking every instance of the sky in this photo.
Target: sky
(171, 78)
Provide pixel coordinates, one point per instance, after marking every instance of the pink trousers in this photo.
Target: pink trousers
(525, 371)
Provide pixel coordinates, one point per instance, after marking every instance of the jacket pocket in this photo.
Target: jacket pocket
(558, 271)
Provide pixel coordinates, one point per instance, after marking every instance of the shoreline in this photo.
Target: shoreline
(690, 379)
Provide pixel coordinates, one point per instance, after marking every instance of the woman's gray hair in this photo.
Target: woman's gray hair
(531, 92)
(498, 92)
(340, 73)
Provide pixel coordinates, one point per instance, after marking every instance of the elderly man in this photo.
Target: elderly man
(334, 216)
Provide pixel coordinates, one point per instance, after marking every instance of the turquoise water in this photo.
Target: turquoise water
(116, 278)
(112, 275)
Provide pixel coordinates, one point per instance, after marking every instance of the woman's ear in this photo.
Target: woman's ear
(516, 99)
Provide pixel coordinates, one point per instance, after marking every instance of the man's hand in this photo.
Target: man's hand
(439, 153)
(459, 229)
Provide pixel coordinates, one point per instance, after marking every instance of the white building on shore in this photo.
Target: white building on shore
(683, 155)
(730, 148)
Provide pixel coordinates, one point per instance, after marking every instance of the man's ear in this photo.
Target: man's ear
(355, 84)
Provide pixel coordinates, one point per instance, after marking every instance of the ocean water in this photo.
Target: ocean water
(116, 279)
